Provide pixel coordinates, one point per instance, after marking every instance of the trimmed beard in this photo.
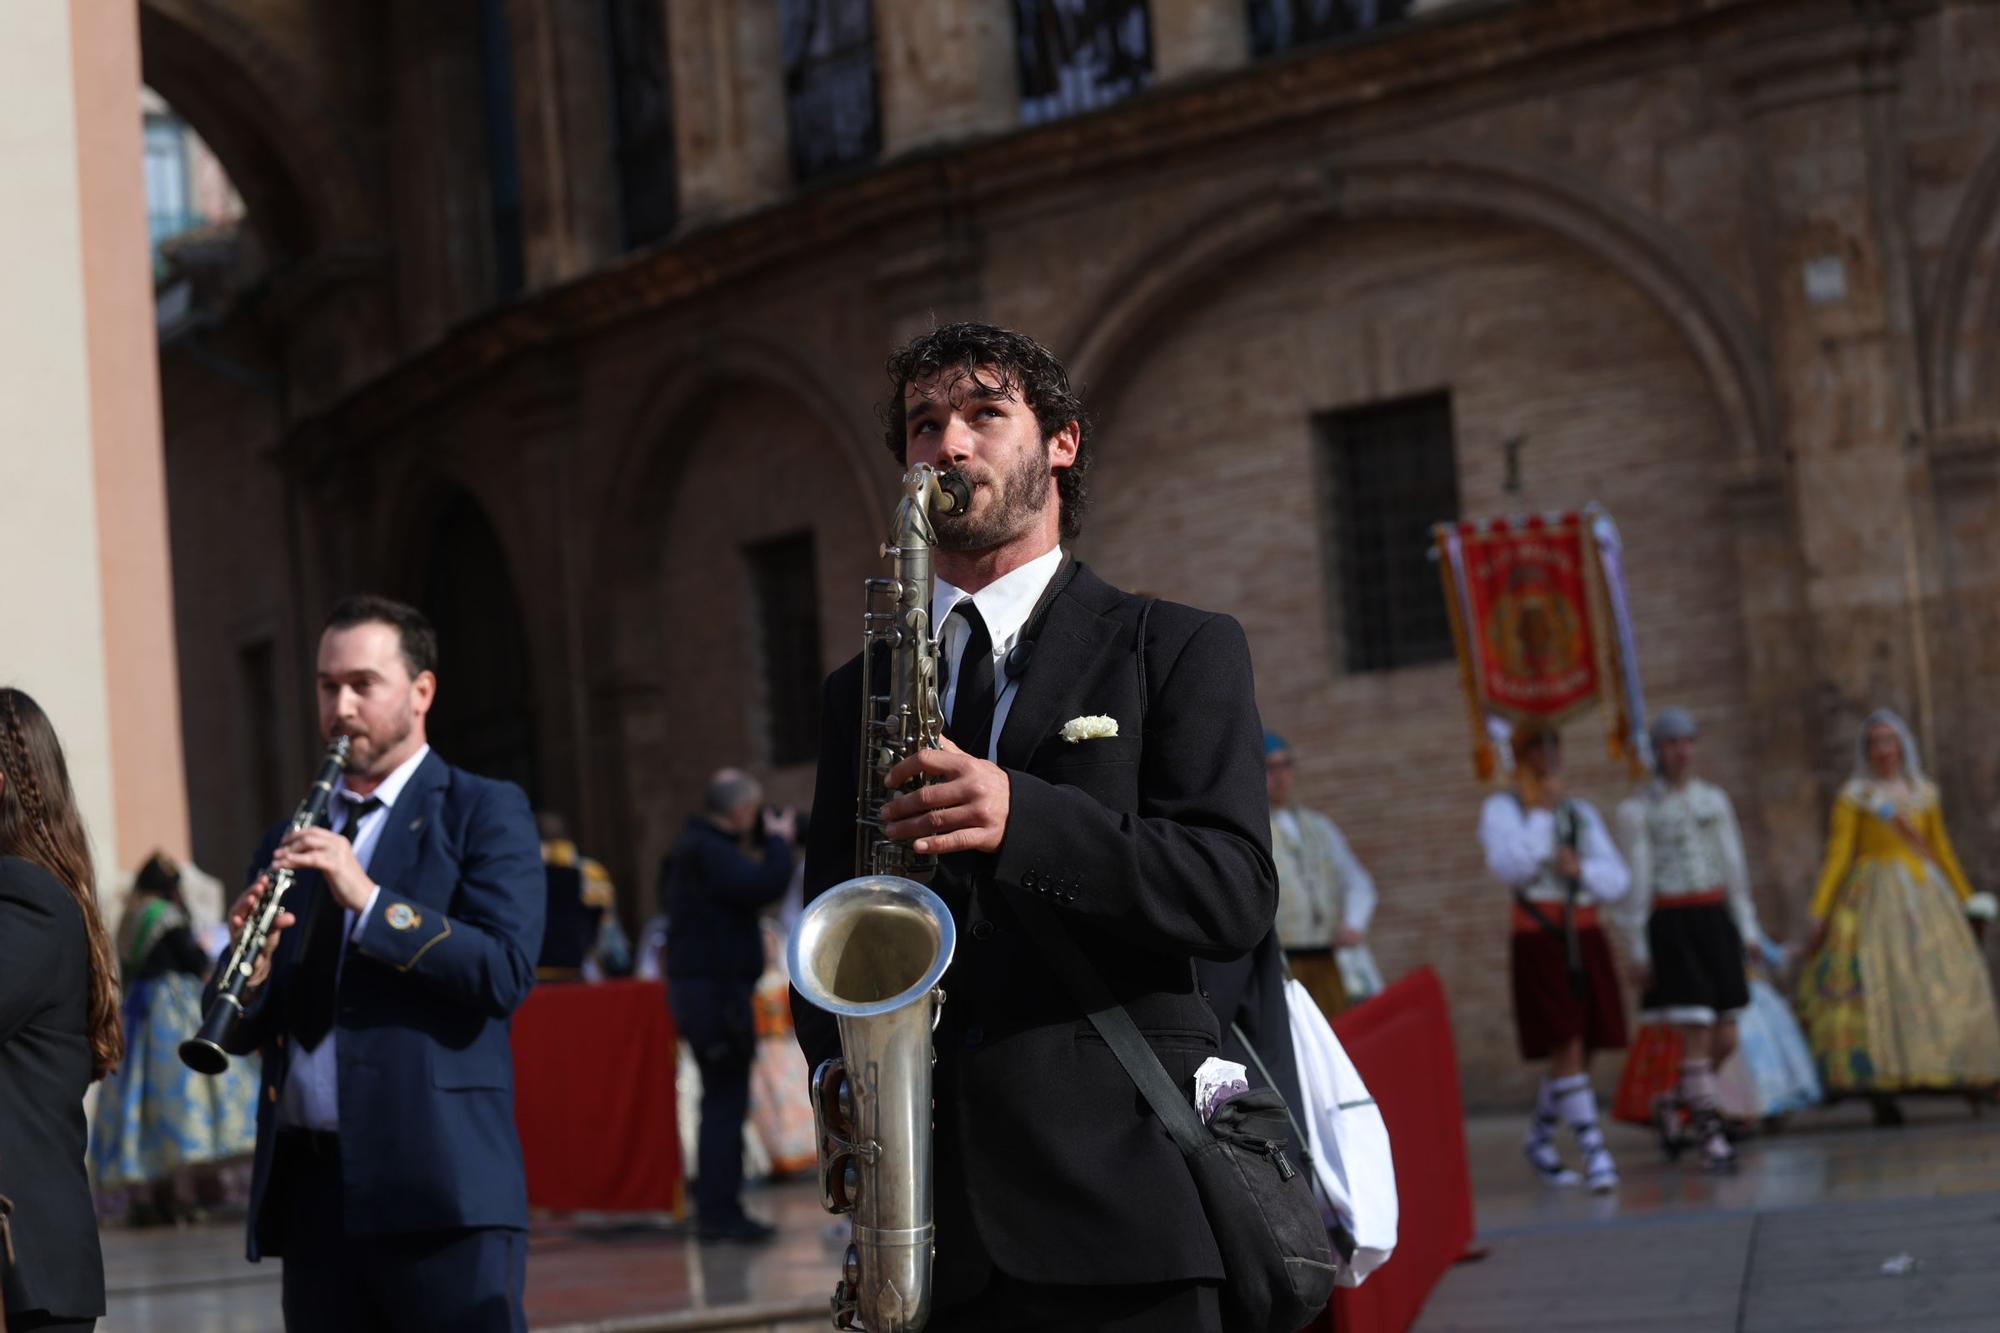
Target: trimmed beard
(1022, 496)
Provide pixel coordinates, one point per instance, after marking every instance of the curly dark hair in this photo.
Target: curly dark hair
(1026, 367)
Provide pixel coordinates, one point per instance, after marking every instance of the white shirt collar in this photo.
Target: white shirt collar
(392, 786)
(1005, 603)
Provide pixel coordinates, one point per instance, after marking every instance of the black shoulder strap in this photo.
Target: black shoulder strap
(1113, 1024)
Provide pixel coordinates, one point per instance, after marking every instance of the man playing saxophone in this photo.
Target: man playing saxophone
(1115, 782)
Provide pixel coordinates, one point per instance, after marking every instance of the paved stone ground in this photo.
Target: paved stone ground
(1794, 1241)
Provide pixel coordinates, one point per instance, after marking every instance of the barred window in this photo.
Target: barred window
(830, 93)
(1389, 473)
(642, 119)
(503, 156)
(1077, 55)
(785, 596)
(1284, 25)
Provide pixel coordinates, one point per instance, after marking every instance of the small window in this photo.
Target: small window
(1284, 25)
(642, 118)
(785, 596)
(1077, 55)
(830, 96)
(1389, 474)
(260, 773)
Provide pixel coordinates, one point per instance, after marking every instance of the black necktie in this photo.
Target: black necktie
(971, 725)
(319, 965)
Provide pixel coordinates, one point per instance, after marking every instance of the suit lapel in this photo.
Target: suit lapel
(415, 810)
(1069, 646)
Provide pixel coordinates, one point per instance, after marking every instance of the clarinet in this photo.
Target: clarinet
(205, 1052)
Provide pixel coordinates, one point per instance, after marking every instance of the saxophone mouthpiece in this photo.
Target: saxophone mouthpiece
(956, 490)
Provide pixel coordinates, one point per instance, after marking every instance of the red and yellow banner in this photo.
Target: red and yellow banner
(1534, 627)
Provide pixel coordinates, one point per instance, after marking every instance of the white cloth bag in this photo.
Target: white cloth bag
(1353, 1170)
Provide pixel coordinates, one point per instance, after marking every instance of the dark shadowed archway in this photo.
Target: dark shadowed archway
(484, 718)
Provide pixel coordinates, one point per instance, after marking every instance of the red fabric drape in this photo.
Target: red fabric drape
(1401, 1043)
(594, 1097)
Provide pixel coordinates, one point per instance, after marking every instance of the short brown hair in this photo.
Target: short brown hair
(414, 632)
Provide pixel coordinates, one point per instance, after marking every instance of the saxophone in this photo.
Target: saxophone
(871, 950)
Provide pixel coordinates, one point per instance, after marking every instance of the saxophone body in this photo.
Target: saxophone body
(871, 951)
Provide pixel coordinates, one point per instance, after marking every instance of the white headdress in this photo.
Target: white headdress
(1913, 764)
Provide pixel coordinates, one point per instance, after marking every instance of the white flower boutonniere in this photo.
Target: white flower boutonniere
(1093, 728)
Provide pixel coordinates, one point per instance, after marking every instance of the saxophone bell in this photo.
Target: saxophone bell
(871, 951)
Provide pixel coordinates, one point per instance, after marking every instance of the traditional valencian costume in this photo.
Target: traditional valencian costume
(1897, 997)
(1560, 995)
(1687, 920)
(1322, 888)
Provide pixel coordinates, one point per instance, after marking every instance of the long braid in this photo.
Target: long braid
(55, 840)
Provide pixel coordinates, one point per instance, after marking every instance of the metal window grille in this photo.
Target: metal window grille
(1077, 55)
(830, 93)
(785, 592)
(1390, 473)
(642, 116)
(1285, 25)
(503, 156)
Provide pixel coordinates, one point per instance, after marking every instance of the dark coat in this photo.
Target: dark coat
(45, 1067)
(426, 1081)
(714, 893)
(1153, 847)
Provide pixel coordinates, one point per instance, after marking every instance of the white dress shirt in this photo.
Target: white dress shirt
(1520, 847)
(1005, 605)
(311, 1099)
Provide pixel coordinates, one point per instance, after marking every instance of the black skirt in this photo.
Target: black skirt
(1698, 973)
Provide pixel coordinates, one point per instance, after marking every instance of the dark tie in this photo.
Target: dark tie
(319, 965)
(971, 725)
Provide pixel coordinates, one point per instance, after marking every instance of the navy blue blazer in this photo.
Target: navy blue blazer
(426, 1084)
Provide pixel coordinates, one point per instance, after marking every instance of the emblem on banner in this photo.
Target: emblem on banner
(1539, 615)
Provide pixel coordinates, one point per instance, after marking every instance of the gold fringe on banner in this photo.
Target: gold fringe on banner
(1485, 761)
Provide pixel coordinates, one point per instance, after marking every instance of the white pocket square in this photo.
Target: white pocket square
(1095, 727)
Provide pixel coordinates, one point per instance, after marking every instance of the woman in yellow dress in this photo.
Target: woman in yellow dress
(1895, 994)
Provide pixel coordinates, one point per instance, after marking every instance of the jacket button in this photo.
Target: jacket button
(975, 1035)
(982, 930)
(1030, 880)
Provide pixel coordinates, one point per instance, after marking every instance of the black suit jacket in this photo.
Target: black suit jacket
(1154, 848)
(426, 1075)
(45, 1067)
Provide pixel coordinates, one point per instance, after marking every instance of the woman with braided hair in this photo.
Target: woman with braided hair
(58, 1030)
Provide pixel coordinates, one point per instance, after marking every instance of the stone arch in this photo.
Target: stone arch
(282, 148)
(1448, 185)
(1965, 301)
(674, 688)
(460, 572)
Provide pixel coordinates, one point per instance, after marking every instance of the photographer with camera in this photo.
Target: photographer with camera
(731, 863)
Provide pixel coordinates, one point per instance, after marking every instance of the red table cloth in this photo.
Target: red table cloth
(594, 1097)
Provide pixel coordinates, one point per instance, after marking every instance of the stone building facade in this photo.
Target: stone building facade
(1729, 268)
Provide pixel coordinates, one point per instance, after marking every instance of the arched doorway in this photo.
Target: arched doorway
(484, 717)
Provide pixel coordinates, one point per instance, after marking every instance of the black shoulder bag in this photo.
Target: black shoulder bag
(1277, 1265)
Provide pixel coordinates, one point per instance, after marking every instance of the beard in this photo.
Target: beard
(371, 747)
(1022, 495)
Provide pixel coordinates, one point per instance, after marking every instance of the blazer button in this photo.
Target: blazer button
(975, 1035)
(1030, 880)
(982, 930)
